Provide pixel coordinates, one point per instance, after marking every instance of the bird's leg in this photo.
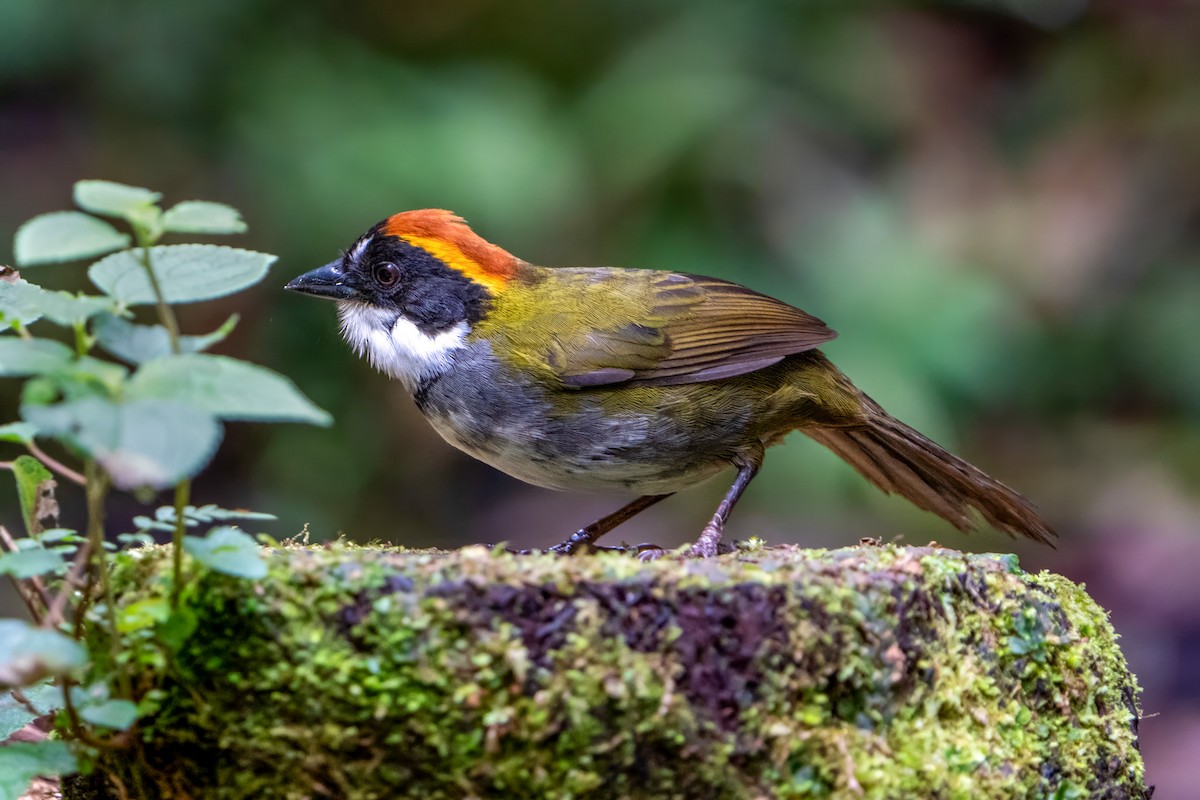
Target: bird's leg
(586, 537)
(709, 543)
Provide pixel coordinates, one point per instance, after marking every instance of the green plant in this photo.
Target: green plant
(148, 419)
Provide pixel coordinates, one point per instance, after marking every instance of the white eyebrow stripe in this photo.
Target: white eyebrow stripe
(360, 248)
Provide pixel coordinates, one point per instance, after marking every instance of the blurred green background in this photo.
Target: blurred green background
(995, 203)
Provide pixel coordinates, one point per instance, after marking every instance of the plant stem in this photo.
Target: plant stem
(182, 490)
(166, 315)
(59, 467)
(59, 606)
(82, 345)
(78, 731)
(32, 590)
(97, 490)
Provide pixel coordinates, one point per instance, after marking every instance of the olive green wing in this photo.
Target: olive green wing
(683, 329)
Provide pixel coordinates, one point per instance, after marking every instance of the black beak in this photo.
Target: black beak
(327, 281)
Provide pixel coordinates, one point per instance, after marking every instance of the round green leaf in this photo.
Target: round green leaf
(113, 199)
(22, 357)
(178, 627)
(89, 373)
(229, 551)
(70, 309)
(20, 299)
(142, 442)
(143, 614)
(116, 714)
(21, 762)
(18, 303)
(31, 562)
(201, 216)
(138, 344)
(226, 388)
(186, 273)
(64, 236)
(45, 698)
(17, 433)
(28, 654)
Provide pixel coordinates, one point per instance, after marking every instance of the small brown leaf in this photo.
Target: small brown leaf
(45, 509)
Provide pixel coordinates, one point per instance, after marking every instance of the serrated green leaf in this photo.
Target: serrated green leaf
(18, 306)
(35, 490)
(29, 654)
(52, 535)
(164, 516)
(17, 433)
(116, 714)
(227, 388)
(211, 511)
(84, 377)
(22, 357)
(31, 562)
(34, 482)
(201, 216)
(64, 236)
(95, 372)
(143, 614)
(229, 551)
(70, 309)
(138, 344)
(21, 762)
(64, 308)
(45, 698)
(140, 442)
(187, 273)
(113, 199)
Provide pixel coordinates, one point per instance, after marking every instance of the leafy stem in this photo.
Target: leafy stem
(166, 315)
(33, 593)
(97, 491)
(70, 584)
(183, 489)
(153, 426)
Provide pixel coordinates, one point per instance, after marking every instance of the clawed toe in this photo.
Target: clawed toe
(709, 544)
(574, 546)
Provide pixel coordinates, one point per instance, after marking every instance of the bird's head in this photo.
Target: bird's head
(410, 288)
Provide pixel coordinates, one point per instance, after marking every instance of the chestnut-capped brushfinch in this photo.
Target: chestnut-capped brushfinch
(630, 381)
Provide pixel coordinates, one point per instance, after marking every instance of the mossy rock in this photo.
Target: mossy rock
(866, 672)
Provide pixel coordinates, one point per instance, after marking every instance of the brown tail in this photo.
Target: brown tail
(900, 460)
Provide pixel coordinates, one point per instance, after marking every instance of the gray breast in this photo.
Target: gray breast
(507, 421)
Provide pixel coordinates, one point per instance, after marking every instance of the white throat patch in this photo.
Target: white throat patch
(396, 346)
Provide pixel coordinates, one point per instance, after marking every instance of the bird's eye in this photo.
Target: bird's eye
(387, 274)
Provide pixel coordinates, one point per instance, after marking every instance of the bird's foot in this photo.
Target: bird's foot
(639, 550)
(653, 552)
(582, 542)
(709, 544)
(579, 540)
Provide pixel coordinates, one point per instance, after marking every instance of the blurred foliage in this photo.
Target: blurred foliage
(994, 201)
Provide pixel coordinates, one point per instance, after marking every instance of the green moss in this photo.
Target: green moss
(872, 672)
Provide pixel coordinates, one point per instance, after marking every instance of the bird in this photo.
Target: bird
(626, 381)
